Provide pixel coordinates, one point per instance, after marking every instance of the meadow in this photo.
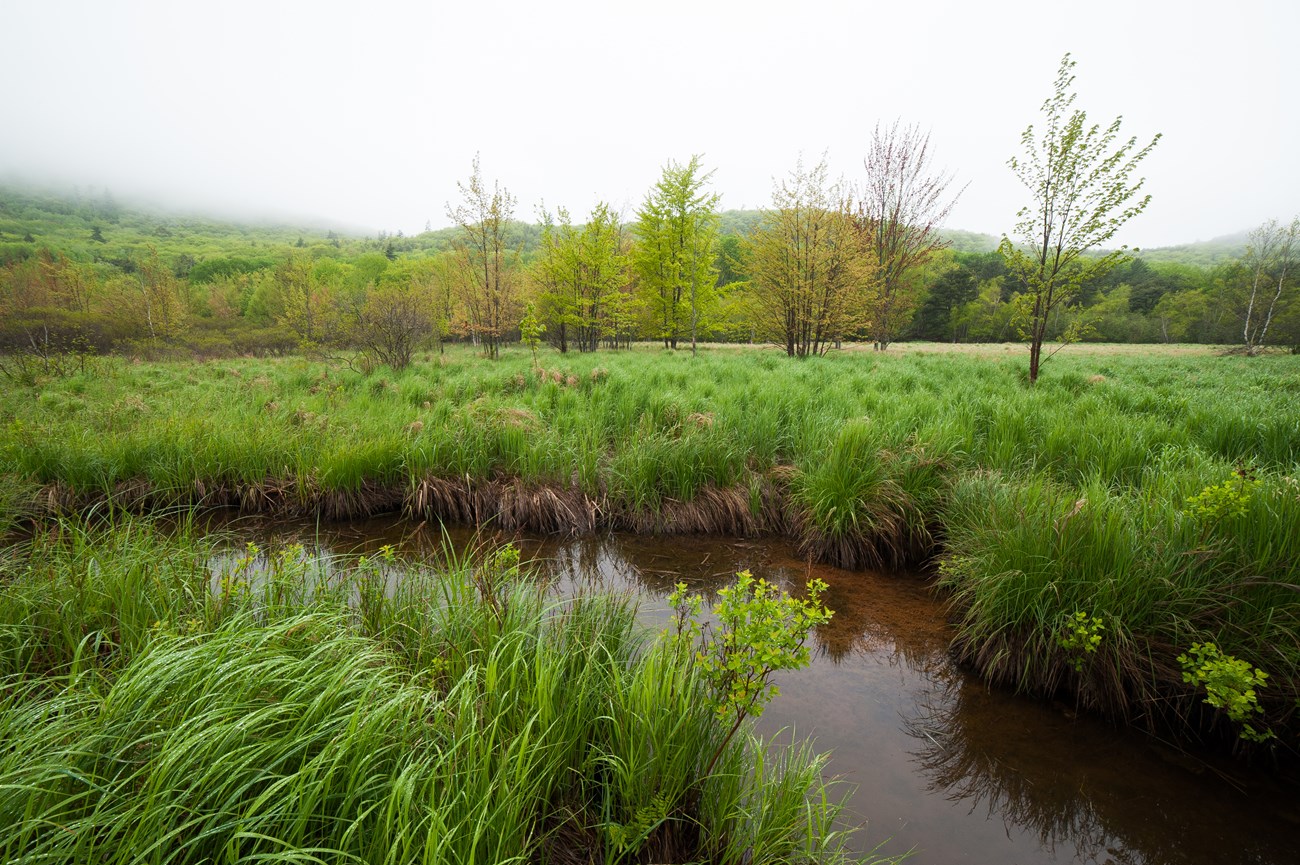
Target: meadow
(289, 708)
(1124, 535)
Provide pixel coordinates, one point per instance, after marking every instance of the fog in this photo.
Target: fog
(367, 115)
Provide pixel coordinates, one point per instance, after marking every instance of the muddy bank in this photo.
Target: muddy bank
(765, 507)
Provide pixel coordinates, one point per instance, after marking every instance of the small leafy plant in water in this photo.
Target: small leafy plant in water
(1080, 636)
(760, 629)
(1230, 684)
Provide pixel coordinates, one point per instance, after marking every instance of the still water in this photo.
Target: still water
(939, 764)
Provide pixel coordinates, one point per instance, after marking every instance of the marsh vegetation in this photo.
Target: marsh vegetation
(1156, 497)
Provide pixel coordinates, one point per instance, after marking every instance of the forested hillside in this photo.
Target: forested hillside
(84, 273)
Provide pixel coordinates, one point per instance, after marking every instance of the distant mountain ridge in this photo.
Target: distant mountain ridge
(64, 217)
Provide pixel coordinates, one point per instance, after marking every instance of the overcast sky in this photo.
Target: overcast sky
(366, 114)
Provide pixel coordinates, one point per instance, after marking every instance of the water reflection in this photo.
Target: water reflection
(941, 763)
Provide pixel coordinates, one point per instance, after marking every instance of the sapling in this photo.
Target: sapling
(531, 330)
(760, 629)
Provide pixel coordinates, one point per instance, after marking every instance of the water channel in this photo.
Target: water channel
(939, 763)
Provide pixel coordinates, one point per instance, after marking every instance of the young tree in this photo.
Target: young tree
(676, 231)
(1080, 180)
(582, 273)
(490, 258)
(157, 303)
(1270, 270)
(396, 313)
(531, 330)
(901, 205)
(307, 304)
(808, 270)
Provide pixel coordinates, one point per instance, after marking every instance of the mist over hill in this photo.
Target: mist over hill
(67, 218)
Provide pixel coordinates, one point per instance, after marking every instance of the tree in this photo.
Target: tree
(808, 270)
(936, 318)
(583, 274)
(491, 262)
(1269, 264)
(531, 330)
(1080, 180)
(676, 231)
(901, 205)
(396, 312)
(157, 302)
(307, 303)
(395, 319)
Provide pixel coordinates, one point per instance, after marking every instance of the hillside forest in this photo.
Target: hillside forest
(82, 274)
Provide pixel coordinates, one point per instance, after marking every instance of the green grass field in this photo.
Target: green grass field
(1152, 493)
(293, 709)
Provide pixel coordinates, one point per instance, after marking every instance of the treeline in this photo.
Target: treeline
(969, 298)
(82, 275)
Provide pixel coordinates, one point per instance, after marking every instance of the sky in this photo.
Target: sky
(366, 115)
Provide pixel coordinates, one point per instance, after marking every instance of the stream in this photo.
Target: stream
(936, 762)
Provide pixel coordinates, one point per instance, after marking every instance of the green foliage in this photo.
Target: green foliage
(1230, 684)
(760, 630)
(584, 279)
(1080, 635)
(1079, 178)
(490, 257)
(1231, 498)
(740, 441)
(812, 276)
(359, 710)
(531, 330)
(677, 232)
(232, 296)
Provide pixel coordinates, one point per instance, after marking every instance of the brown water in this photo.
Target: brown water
(942, 764)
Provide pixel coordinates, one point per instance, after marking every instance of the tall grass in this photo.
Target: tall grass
(1027, 553)
(288, 709)
(863, 459)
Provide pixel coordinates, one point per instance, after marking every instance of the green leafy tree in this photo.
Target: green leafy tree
(1270, 274)
(157, 304)
(987, 318)
(1080, 177)
(306, 302)
(676, 232)
(583, 276)
(936, 318)
(531, 330)
(809, 274)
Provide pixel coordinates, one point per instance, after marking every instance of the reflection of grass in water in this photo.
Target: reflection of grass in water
(967, 771)
(969, 756)
(310, 714)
